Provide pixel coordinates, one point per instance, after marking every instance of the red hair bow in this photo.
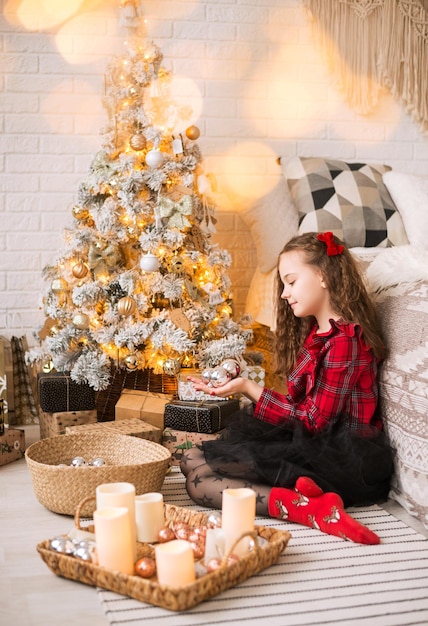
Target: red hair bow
(332, 247)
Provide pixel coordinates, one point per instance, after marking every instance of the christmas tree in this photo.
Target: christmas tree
(139, 283)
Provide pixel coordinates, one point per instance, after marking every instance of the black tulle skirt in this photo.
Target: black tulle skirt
(358, 469)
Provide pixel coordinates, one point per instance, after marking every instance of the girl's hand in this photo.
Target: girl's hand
(237, 385)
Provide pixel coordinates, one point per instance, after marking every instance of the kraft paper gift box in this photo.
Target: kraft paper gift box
(201, 417)
(144, 405)
(12, 445)
(178, 441)
(132, 427)
(58, 393)
(52, 424)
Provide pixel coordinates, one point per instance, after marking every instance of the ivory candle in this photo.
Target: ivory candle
(149, 516)
(115, 548)
(122, 495)
(214, 543)
(175, 563)
(238, 515)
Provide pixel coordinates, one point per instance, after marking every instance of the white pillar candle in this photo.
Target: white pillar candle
(149, 516)
(175, 564)
(238, 514)
(115, 549)
(119, 494)
(214, 543)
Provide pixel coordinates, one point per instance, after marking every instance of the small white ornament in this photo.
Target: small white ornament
(177, 146)
(154, 158)
(149, 262)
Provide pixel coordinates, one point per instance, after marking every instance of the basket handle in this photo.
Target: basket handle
(248, 533)
(79, 510)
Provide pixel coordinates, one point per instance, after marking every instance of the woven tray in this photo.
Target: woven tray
(128, 459)
(179, 598)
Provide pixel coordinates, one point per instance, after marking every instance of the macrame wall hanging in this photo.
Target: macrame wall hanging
(371, 45)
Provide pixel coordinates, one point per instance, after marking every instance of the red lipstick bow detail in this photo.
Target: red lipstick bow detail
(332, 247)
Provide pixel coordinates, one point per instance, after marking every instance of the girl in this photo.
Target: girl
(320, 448)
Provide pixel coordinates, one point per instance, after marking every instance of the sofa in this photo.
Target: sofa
(382, 216)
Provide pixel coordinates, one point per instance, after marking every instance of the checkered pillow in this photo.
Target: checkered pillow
(349, 199)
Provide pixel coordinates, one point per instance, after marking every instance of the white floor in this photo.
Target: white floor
(30, 595)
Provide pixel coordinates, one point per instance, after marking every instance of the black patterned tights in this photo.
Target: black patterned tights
(205, 486)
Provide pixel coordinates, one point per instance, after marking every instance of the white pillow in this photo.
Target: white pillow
(273, 221)
(410, 195)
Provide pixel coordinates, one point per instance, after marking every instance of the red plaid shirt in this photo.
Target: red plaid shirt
(335, 377)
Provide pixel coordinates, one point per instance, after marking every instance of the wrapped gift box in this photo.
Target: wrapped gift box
(256, 373)
(58, 393)
(178, 441)
(52, 424)
(200, 417)
(132, 427)
(144, 405)
(12, 445)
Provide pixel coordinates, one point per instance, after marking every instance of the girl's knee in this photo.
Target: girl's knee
(191, 458)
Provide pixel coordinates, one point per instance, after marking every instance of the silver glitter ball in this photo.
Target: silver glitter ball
(232, 367)
(214, 520)
(86, 551)
(62, 544)
(219, 376)
(78, 461)
(206, 375)
(98, 462)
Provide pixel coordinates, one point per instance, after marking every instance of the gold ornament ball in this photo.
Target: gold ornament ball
(171, 367)
(193, 133)
(81, 321)
(131, 362)
(126, 306)
(80, 269)
(145, 567)
(176, 264)
(138, 142)
(80, 213)
(59, 285)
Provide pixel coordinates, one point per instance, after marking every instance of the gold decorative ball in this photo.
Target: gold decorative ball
(171, 367)
(81, 321)
(126, 306)
(176, 264)
(59, 285)
(138, 142)
(145, 567)
(80, 269)
(131, 362)
(79, 212)
(193, 133)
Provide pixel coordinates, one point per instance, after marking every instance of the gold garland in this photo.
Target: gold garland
(371, 45)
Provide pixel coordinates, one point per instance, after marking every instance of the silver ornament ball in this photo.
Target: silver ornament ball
(232, 366)
(219, 376)
(78, 461)
(97, 462)
(206, 375)
(62, 544)
(171, 367)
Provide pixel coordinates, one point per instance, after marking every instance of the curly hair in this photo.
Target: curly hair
(349, 298)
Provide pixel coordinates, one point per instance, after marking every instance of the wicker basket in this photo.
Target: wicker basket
(128, 459)
(172, 598)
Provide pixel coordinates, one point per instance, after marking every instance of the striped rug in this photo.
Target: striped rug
(318, 579)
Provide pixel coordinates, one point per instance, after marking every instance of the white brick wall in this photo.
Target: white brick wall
(264, 92)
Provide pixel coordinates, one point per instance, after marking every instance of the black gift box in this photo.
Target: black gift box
(58, 393)
(199, 417)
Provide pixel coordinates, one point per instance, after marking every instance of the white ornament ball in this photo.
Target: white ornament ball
(149, 263)
(154, 158)
(219, 376)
